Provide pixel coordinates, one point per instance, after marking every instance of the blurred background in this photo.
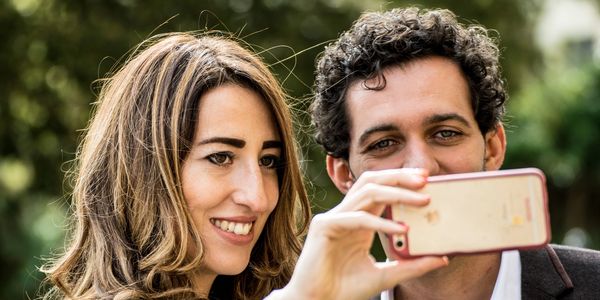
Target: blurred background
(52, 51)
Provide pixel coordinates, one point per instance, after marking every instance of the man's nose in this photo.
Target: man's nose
(250, 189)
(418, 154)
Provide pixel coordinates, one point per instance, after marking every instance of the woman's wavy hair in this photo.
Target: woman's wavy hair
(379, 40)
(132, 228)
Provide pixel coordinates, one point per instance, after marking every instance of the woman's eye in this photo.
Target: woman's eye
(220, 158)
(269, 161)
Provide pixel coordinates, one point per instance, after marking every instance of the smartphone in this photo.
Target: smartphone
(475, 213)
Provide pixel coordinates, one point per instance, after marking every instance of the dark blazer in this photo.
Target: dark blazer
(560, 272)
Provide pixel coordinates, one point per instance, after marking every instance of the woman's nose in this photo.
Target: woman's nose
(250, 189)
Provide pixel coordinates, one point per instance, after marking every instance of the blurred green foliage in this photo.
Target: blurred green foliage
(556, 126)
(52, 51)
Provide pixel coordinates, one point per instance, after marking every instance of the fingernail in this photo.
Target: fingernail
(402, 228)
(446, 260)
(416, 171)
(425, 197)
(420, 178)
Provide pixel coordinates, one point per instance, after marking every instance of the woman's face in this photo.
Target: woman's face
(229, 177)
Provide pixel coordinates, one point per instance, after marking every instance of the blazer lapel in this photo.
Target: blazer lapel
(543, 275)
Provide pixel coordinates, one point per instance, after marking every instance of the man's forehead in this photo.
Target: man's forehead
(437, 78)
(423, 92)
(403, 114)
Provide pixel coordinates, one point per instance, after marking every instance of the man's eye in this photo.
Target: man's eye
(382, 144)
(446, 134)
(269, 161)
(220, 158)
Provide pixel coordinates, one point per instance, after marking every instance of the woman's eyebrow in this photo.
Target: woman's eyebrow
(224, 140)
(272, 144)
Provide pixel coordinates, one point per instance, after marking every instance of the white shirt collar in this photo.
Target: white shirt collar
(508, 283)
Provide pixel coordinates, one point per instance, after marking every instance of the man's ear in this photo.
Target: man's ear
(495, 147)
(339, 172)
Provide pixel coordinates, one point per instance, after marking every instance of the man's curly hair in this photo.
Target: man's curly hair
(383, 39)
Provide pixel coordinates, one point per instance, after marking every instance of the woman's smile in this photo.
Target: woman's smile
(238, 228)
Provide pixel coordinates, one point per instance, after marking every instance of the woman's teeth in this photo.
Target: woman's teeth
(234, 227)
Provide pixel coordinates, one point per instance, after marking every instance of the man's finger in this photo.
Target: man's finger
(355, 220)
(372, 195)
(409, 178)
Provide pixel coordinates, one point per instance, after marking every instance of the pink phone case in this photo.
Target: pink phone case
(475, 213)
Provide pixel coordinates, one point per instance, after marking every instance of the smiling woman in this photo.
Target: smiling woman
(236, 141)
(187, 166)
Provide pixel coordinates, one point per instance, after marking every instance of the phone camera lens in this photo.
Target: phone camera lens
(399, 243)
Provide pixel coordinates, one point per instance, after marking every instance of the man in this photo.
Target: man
(412, 88)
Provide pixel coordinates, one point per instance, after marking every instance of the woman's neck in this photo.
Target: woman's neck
(203, 281)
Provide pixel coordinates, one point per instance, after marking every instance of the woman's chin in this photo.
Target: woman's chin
(230, 267)
(234, 270)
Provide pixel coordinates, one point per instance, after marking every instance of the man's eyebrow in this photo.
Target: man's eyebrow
(224, 140)
(272, 144)
(378, 128)
(438, 118)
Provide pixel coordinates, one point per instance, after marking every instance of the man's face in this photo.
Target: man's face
(421, 119)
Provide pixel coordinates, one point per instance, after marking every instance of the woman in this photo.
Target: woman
(188, 186)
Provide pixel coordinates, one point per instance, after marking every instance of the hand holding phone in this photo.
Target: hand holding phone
(475, 212)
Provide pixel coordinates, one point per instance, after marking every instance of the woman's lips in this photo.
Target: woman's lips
(238, 228)
(238, 233)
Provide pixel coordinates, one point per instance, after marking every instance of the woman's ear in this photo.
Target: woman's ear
(495, 147)
(339, 172)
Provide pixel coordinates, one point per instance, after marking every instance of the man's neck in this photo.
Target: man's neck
(466, 277)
